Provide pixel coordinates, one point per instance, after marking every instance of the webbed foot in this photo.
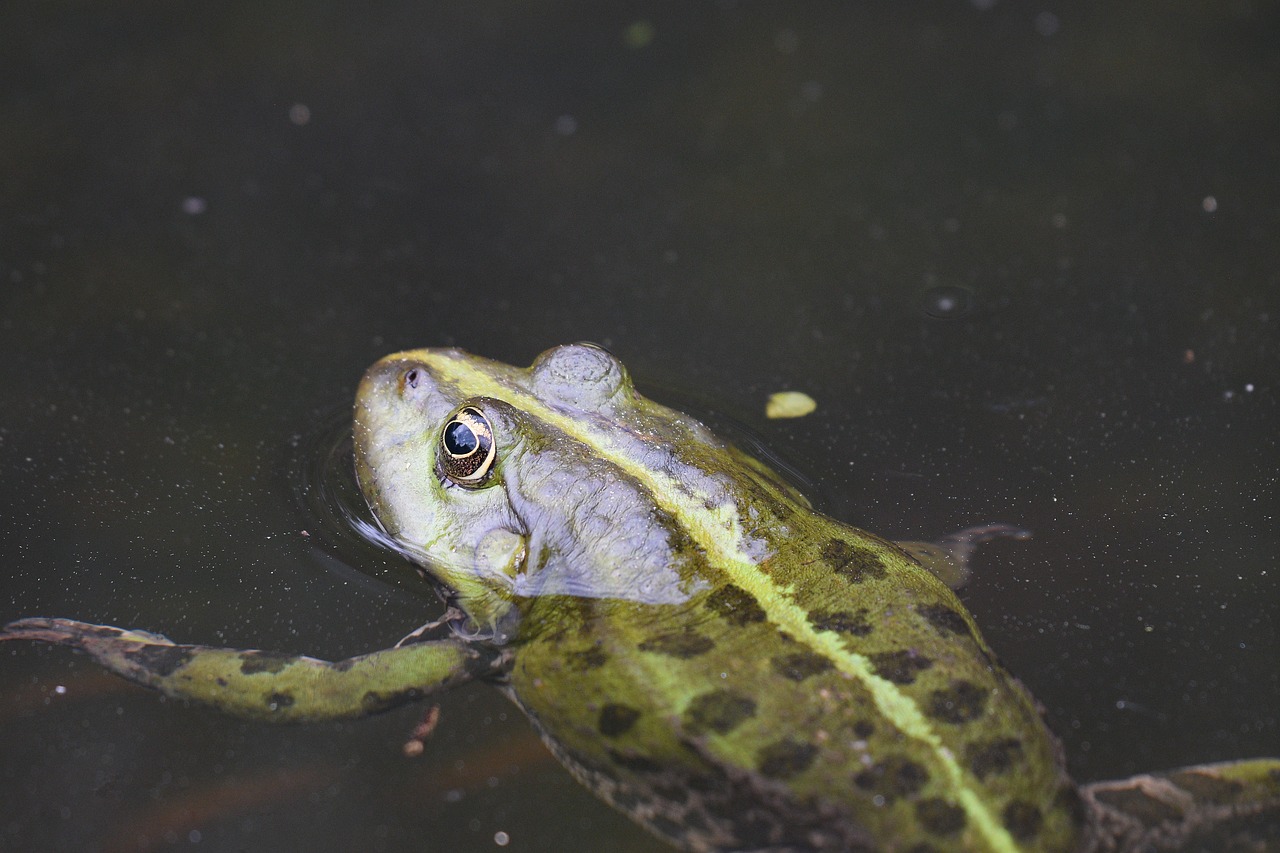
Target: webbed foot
(1234, 805)
(948, 558)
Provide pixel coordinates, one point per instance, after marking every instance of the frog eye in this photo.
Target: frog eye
(467, 448)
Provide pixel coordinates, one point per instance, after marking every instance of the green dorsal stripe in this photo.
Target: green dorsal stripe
(718, 531)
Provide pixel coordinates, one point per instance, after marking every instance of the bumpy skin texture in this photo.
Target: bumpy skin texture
(732, 669)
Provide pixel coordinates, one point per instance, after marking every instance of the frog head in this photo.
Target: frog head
(506, 484)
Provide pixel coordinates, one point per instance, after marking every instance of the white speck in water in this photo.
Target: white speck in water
(1047, 24)
(300, 114)
(194, 836)
(947, 302)
(786, 41)
(566, 125)
(639, 34)
(1248, 388)
(61, 690)
(501, 839)
(1209, 204)
(194, 205)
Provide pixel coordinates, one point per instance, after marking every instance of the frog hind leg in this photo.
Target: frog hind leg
(1230, 806)
(948, 558)
(265, 685)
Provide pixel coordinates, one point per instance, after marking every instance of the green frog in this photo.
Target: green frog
(694, 642)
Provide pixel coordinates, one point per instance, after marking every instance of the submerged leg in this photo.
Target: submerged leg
(1230, 806)
(948, 558)
(265, 685)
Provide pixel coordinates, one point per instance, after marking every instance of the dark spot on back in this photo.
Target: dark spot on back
(617, 719)
(373, 701)
(995, 756)
(841, 621)
(585, 659)
(863, 729)
(1069, 800)
(736, 605)
(669, 788)
(943, 618)
(636, 763)
(1135, 802)
(962, 702)
(1022, 819)
(786, 758)
(280, 701)
(161, 660)
(852, 563)
(900, 667)
(625, 798)
(1207, 786)
(252, 663)
(753, 828)
(665, 826)
(719, 711)
(893, 777)
(800, 665)
(704, 783)
(694, 818)
(678, 644)
(940, 817)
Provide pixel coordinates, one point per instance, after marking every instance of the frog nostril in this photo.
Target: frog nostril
(411, 378)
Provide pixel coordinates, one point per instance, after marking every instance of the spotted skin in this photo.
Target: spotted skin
(268, 686)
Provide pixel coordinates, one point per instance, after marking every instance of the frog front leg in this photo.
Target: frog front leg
(266, 685)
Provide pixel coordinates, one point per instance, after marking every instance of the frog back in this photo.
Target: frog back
(837, 697)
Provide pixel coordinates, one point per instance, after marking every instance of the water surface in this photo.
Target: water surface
(1023, 257)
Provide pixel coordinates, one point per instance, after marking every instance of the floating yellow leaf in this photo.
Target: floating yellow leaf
(789, 404)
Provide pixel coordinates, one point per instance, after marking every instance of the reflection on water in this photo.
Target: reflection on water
(323, 483)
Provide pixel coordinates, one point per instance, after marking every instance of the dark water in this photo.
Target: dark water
(1024, 257)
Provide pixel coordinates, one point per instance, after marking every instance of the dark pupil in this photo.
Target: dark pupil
(459, 439)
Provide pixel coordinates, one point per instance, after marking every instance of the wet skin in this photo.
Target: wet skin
(697, 645)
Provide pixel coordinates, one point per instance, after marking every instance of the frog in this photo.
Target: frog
(691, 639)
